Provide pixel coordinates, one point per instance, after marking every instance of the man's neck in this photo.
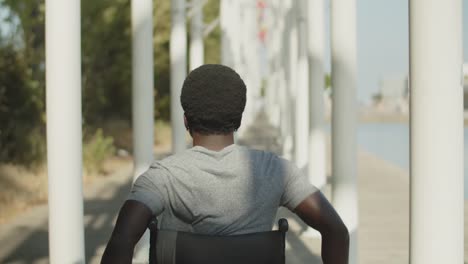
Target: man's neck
(213, 142)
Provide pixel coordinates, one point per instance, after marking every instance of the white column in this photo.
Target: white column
(224, 20)
(142, 99)
(302, 95)
(276, 49)
(196, 36)
(343, 54)
(436, 78)
(230, 38)
(271, 92)
(248, 64)
(316, 54)
(290, 70)
(285, 77)
(178, 53)
(292, 81)
(64, 146)
(142, 85)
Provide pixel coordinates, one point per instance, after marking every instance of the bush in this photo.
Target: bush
(95, 150)
(22, 137)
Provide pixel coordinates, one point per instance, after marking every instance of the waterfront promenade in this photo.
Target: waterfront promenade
(383, 214)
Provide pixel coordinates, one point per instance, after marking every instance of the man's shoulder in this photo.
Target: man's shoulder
(169, 160)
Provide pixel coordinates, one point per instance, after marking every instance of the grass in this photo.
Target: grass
(21, 188)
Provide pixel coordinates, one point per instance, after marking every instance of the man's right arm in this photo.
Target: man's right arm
(132, 222)
(317, 212)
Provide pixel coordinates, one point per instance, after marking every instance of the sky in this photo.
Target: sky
(382, 36)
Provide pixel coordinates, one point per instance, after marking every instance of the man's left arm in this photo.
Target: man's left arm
(132, 222)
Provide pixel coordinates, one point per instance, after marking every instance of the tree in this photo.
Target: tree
(106, 68)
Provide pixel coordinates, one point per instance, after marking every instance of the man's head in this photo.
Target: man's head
(213, 98)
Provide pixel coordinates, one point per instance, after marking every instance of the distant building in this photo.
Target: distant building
(394, 89)
(393, 96)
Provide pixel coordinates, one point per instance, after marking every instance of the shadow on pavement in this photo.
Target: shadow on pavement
(99, 215)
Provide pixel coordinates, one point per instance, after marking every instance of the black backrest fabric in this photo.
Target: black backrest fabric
(257, 248)
(172, 247)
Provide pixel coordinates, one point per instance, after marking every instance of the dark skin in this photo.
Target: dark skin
(315, 211)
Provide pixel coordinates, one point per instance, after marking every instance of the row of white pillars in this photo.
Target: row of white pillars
(436, 85)
(239, 50)
(304, 51)
(178, 58)
(64, 147)
(278, 95)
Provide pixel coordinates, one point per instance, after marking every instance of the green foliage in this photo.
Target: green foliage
(106, 60)
(376, 98)
(161, 36)
(22, 83)
(328, 83)
(20, 111)
(97, 149)
(106, 69)
(213, 40)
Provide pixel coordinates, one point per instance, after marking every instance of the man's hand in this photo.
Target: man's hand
(318, 213)
(132, 222)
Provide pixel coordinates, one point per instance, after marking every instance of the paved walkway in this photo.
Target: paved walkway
(25, 239)
(383, 214)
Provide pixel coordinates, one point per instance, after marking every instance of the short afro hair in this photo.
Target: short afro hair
(213, 98)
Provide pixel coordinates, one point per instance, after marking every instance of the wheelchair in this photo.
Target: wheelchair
(173, 247)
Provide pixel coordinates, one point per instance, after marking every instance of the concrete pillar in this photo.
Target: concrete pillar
(231, 40)
(248, 63)
(436, 83)
(343, 55)
(286, 74)
(316, 54)
(225, 19)
(178, 54)
(196, 36)
(273, 48)
(142, 99)
(142, 85)
(292, 38)
(272, 21)
(230, 33)
(302, 94)
(277, 61)
(64, 136)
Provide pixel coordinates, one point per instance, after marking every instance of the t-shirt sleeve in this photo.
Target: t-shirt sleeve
(296, 186)
(149, 190)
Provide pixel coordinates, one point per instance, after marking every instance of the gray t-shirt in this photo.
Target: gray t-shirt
(233, 191)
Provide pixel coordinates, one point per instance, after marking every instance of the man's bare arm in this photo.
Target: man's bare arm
(318, 213)
(131, 223)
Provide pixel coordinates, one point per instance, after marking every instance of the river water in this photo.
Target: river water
(390, 141)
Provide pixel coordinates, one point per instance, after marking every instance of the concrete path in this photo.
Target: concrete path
(25, 239)
(383, 214)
